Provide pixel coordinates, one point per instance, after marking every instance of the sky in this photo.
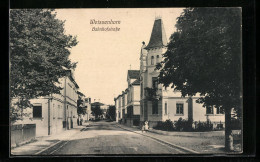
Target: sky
(104, 57)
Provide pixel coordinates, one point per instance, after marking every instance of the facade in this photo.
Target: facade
(128, 103)
(116, 109)
(119, 108)
(160, 103)
(123, 107)
(57, 112)
(133, 98)
(87, 106)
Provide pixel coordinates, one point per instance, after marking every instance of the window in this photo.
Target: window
(179, 108)
(152, 60)
(37, 111)
(219, 111)
(59, 113)
(157, 59)
(54, 111)
(155, 82)
(155, 107)
(141, 90)
(165, 108)
(209, 110)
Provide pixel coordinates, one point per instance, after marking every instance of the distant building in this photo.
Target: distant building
(119, 108)
(87, 107)
(128, 103)
(124, 106)
(166, 103)
(133, 98)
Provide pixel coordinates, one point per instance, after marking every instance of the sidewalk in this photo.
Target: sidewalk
(194, 145)
(45, 142)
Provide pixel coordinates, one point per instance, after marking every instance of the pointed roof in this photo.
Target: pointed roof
(158, 36)
(136, 82)
(133, 74)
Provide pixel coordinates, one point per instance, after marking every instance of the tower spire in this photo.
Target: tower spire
(158, 36)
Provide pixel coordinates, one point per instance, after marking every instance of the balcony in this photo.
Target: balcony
(152, 93)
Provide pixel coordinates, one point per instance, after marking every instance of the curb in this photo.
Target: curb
(165, 142)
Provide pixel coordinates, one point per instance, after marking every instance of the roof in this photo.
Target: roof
(133, 74)
(79, 93)
(136, 82)
(158, 36)
(72, 78)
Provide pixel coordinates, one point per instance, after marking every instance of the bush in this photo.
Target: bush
(166, 125)
(204, 126)
(183, 125)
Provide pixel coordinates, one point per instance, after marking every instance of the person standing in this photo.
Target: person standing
(146, 127)
(143, 127)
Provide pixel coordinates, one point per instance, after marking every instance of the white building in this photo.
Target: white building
(124, 105)
(133, 98)
(168, 104)
(57, 112)
(88, 115)
(118, 105)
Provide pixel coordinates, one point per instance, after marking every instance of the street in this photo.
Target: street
(106, 138)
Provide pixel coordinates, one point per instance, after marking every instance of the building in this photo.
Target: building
(160, 103)
(133, 98)
(57, 112)
(87, 106)
(124, 106)
(128, 103)
(118, 104)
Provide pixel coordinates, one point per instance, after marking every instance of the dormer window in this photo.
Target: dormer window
(152, 60)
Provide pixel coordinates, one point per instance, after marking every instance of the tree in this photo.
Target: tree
(39, 51)
(96, 110)
(80, 104)
(204, 56)
(80, 107)
(111, 112)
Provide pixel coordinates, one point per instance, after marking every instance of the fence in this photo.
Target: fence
(22, 133)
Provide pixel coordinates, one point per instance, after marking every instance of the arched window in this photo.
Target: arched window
(152, 60)
(157, 59)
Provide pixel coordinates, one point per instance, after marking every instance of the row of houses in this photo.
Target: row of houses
(57, 112)
(146, 100)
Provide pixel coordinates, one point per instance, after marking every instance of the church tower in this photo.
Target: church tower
(158, 103)
(151, 111)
